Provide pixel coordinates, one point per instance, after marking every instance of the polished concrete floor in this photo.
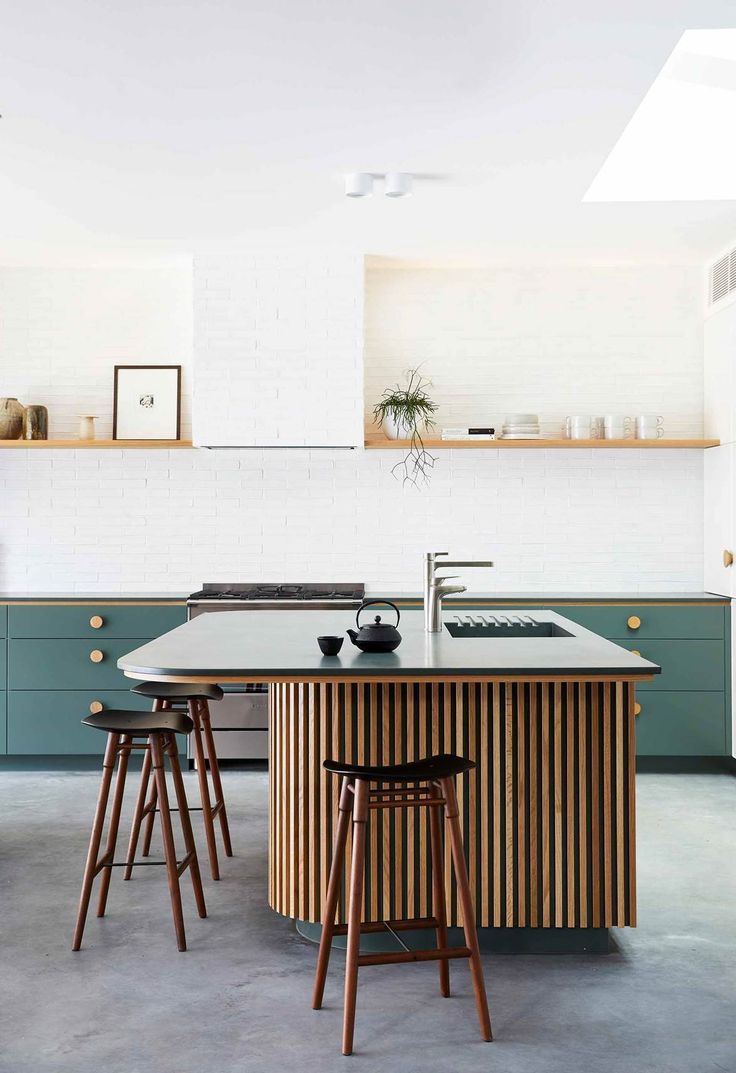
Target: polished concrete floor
(238, 1000)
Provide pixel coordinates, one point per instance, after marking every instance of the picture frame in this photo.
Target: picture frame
(147, 402)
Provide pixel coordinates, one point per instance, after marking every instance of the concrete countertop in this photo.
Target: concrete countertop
(277, 644)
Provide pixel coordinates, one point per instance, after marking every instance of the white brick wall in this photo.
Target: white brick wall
(158, 520)
(278, 349)
(554, 341)
(63, 329)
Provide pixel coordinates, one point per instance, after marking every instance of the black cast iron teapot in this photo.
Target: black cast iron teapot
(378, 636)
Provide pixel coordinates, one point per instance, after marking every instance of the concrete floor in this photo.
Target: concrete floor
(239, 999)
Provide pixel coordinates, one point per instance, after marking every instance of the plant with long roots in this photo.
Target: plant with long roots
(412, 407)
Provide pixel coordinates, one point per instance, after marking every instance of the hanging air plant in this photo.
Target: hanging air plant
(405, 412)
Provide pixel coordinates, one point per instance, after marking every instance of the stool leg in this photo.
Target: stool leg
(204, 790)
(90, 868)
(158, 706)
(439, 907)
(333, 893)
(140, 804)
(186, 826)
(112, 834)
(216, 780)
(172, 871)
(355, 912)
(466, 905)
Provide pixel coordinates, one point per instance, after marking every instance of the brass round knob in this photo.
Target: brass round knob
(96, 706)
(637, 708)
(727, 558)
(96, 656)
(635, 652)
(633, 622)
(97, 622)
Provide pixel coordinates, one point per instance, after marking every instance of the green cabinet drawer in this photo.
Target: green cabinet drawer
(3, 663)
(49, 723)
(3, 621)
(681, 724)
(110, 620)
(659, 621)
(3, 725)
(688, 665)
(43, 663)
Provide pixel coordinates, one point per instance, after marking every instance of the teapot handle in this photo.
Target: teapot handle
(368, 603)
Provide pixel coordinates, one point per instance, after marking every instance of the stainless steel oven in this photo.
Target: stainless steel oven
(240, 719)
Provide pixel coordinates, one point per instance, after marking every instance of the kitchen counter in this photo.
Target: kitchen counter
(541, 599)
(276, 645)
(547, 812)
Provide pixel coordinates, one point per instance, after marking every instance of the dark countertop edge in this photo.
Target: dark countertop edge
(535, 599)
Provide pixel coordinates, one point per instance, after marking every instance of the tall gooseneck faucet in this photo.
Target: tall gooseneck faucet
(435, 589)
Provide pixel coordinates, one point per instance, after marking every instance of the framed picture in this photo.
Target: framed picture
(147, 402)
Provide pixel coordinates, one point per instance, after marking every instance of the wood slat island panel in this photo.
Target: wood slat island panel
(548, 814)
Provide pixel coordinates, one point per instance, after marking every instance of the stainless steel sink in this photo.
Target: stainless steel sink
(499, 626)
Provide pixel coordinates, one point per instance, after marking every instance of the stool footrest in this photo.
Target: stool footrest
(443, 953)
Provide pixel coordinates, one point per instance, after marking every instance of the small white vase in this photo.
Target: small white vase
(87, 426)
(397, 430)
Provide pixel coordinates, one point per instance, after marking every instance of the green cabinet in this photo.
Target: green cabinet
(61, 658)
(681, 724)
(686, 665)
(61, 663)
(95, 621)
(659, 621)
(49, 722)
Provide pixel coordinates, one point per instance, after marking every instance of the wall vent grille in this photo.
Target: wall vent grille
(722, 280)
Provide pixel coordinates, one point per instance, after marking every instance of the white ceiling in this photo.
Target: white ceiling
(169, 127)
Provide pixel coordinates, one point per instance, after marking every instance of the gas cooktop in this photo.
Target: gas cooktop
(261, 592)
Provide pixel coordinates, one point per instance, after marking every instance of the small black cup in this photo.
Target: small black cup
(330, 645)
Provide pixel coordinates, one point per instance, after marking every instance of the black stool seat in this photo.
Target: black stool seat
(116, 721)
(441, 766)
(178, 691)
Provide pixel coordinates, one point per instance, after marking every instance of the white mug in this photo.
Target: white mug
(649, 427)
(616, 428)
(581, 428)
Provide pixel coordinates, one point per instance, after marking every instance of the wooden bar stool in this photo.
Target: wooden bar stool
(159, 730)
(427, 783)
(195, 698)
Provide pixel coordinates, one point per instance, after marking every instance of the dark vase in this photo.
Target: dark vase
(11, 419)
(36, 423)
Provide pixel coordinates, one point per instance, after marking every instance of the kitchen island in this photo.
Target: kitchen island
(547, 715)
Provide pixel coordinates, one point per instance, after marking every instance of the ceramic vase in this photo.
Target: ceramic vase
(11, 419)
(396, 430)
(87, 426)
(36, 423)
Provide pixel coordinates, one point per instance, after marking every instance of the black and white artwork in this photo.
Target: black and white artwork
(147, 403)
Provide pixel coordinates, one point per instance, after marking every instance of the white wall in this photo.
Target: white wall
(63, 329)
(553, 341)
(166, 521)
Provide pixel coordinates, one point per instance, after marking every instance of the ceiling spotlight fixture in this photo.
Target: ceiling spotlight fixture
(397, 184)
(358, 184)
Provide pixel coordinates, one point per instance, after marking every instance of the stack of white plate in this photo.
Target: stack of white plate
(521, 427)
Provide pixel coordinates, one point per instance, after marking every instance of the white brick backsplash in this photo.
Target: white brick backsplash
(495, 341)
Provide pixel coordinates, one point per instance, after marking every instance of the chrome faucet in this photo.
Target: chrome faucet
(434, 589)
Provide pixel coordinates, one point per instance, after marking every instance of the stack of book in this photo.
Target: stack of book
(465, 433)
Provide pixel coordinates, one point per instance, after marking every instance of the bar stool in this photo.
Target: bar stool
(159, 730)
(357, 798)
(196, 698)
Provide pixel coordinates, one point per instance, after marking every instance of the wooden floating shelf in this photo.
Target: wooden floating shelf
(91, 445)
(379, 443)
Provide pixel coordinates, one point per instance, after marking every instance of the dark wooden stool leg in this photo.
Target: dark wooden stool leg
(112, 834)
(152, 804)
(333, 893)
(186, 825)
(439, 907)
(140, 805)
(216, 780)
(466, 905)
(355, 913)
(204, 790)
(167, 834)
(90, 868)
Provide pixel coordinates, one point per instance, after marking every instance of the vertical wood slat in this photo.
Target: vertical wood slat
(528, 745)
